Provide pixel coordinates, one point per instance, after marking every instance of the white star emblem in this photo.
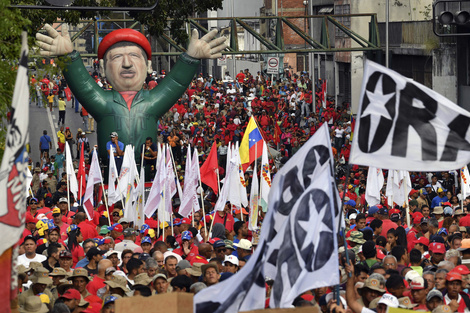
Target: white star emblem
(312, 231)
(376, 108)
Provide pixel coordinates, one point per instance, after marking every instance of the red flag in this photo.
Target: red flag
(277, 133)
(209, 168)
(81, 175)
(323, 93)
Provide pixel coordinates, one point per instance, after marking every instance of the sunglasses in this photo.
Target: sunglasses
(56, 214)
(221, 250)
(115, 214)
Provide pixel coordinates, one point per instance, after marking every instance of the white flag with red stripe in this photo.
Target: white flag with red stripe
(94, 177)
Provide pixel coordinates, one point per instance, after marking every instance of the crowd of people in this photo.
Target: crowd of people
(69, 263)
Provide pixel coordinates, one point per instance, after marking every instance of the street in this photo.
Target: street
(41, 119)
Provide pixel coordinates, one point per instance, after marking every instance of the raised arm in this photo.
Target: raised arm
(88, 93)
(177, 81)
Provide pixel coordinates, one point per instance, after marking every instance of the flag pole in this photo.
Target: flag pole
(142, 179)
(461, 190)
(80, 195)
(343, 230)
(106, 202)
(202, 202)
(212, 224)
(68, 192)
(218, 179)
(104, 194)
(202, 196)
(407, 200)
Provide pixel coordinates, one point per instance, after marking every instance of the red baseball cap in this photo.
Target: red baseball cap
(117, 227)
(186, 221)
(213, 240)
(438, 247)
(124, 34)
(71, 294)
(93, 307)
(461, 269)
(423, 240)
(417, 218)
(451, 276)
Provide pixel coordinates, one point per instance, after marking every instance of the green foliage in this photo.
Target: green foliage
(10, 46)
(176, 10)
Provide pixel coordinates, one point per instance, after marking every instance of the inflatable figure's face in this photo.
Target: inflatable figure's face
(126, 68)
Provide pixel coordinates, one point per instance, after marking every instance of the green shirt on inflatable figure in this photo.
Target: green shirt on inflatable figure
(125, 56)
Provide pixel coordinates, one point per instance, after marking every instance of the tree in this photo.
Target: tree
(10, 46)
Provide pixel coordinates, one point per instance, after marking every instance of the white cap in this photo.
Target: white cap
(232, 259)
(389, 300)
(244, 244)
(411, 274)
(329, 296)
(353, 216)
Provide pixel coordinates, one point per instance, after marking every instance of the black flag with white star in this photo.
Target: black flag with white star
(298, 243)
(404, 125)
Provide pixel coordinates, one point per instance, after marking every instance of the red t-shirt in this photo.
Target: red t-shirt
(240, 77)
(227, 222)
(88, 230)
(76, 253)
(387, 224)
(95, 284)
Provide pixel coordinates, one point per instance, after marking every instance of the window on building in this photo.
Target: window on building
(345, 20)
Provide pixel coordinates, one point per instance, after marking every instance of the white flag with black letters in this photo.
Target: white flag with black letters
(297, 246)
(404, 125)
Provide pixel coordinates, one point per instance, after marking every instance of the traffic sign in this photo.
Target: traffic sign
(273, 65)
(222, 61)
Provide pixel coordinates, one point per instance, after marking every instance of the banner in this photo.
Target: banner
(113, 194)
(398, 187)
(71, 178)
(237, 195)
(375, 182)
(254, 199)
(210, 169)
(465, 182)
(265, 179)
(94, 177)
(139, 197)
(156, 191)
(404, 125)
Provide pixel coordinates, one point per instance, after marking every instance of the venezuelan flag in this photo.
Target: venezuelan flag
(251, 146)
